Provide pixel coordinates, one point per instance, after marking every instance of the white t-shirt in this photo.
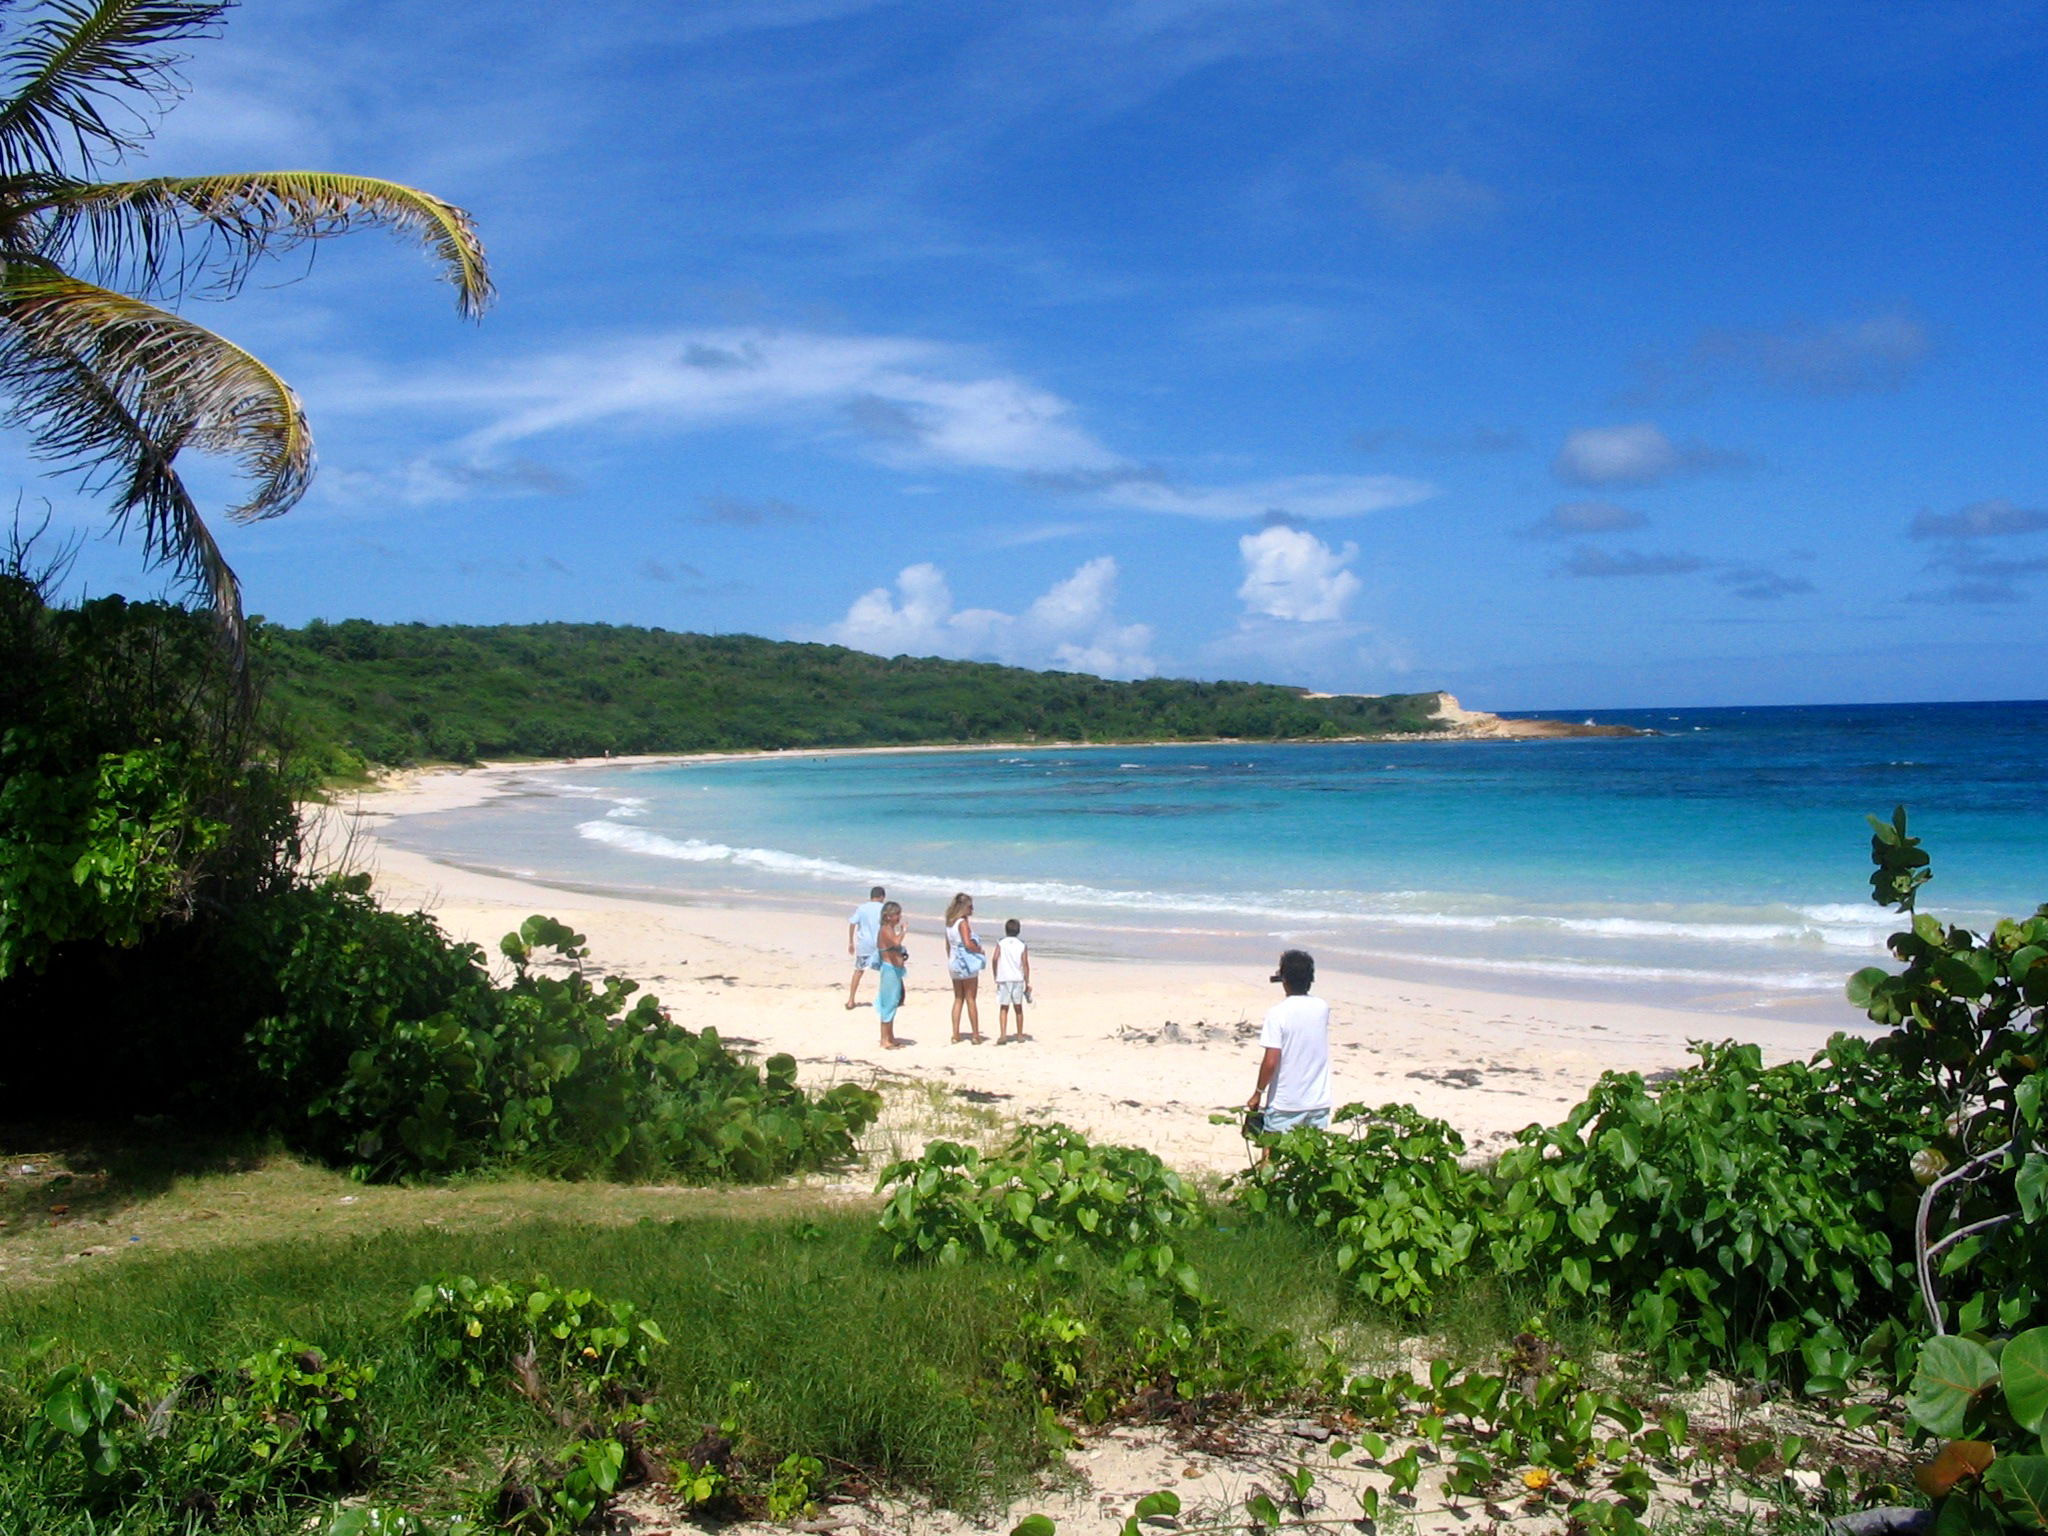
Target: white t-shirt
(867, 927)
(1300, 1027)
(1010, 959)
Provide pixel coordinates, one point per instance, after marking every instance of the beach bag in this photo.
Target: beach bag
(962, 963)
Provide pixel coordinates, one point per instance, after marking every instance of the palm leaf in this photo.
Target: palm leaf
(78, 414)
(64, 72)
(181, 382)
(167, 230)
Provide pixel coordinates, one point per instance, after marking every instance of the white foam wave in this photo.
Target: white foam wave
(1389, 911)
(1667, 975)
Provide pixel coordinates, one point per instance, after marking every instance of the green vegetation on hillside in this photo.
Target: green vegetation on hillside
(398, 693)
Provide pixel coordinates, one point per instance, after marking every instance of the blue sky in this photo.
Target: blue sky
(1565, 356)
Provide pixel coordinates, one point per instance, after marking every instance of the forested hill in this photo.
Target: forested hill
(398, 693)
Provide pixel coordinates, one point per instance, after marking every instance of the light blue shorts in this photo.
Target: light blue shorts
(1278, 1120)
(867, 960)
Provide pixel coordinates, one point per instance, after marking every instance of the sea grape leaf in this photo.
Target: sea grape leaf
(2032, 1186)
(1957, 1460)
(2020, 1484)
(1951, 1373)
(2024, 1364)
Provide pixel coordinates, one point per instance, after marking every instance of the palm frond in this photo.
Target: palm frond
(80, 415)
(179, 383)
(167, 231)
(69, 74)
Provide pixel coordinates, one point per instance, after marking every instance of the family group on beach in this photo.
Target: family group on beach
(1293, 1087)
(876, 938)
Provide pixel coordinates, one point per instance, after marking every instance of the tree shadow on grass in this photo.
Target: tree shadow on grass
(57, 1171)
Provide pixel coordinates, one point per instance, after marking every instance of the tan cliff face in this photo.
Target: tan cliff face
(1464, 722)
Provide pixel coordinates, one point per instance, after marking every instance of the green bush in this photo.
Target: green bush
(285, 1421)
(1391, 1194)
(1737, 1214)
(391, 1050)
(1047, 1194)
(135, 784)
(1969, 1020)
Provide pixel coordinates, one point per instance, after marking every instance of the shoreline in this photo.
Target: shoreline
(1461, 724)
(1130, 1049)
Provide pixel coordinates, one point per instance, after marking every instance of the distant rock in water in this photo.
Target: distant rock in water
(1461, 723)
(1477, 722)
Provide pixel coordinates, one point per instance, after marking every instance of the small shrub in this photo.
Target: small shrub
(555, 1496)
(284, 1421)
(1049, 1194)
(1402, 1213)
(482, 1328)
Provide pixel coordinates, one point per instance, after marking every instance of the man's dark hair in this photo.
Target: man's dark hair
(876, 894)
(1012, 928)
(1297, 971)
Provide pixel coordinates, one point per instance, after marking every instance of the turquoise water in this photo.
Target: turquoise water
(1721, 863)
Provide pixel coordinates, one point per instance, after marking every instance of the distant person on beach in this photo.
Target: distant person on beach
(964, 960)
(861, 931)
(889, 946)
(1294, 1073)
(1013, 979)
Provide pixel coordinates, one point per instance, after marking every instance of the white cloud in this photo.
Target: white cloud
(1072, 625)
(1637, 453)
(1291, 574)
(908, 403)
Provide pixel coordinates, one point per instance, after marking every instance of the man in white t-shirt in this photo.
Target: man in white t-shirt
(863, 935)
(1294, 1074)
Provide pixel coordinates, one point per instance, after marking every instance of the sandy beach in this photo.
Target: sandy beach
(1138, 1050)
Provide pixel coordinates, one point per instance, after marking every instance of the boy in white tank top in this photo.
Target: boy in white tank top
(1013, 981)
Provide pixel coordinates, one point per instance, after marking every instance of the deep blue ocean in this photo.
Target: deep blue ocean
(1721, 863)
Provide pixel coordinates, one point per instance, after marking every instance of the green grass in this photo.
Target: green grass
(890, 1369)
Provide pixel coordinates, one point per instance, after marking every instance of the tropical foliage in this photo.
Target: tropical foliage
(135, 789)
(401, 693)
(391, 1050)
(107, 380)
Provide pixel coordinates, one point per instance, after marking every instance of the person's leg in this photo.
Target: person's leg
(973, 986)
(1002, 1018)
(959, 1001)
(1020, 1021)
(853, 986)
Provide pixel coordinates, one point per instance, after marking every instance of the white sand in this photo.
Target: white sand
(1134, 1050)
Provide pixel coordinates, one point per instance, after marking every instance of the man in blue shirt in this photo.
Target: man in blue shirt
(862, 932)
